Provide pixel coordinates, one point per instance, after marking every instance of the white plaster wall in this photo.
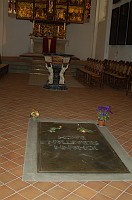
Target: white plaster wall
(15, 34)
(16, 38)
(80, 37)
(85, 40)
(100, 41)
(120, 52)
(101, 21)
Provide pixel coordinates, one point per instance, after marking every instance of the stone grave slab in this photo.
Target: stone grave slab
(75, 148)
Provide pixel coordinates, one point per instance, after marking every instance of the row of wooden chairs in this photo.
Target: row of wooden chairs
(129, 84)
(91, 73)
(117, 74)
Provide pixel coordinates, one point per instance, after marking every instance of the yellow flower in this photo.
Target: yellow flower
(34, 114)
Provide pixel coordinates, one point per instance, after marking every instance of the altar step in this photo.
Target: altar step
(40, 76)
(38, 67)
(29, 64)
(39, 79)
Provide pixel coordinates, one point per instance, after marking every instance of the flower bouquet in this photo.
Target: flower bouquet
(103, 114)
(34, 114)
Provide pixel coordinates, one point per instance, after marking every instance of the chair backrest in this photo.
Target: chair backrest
(129, 71)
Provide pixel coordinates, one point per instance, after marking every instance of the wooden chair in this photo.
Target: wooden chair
(117, 73)
(91, 73)
(120, 79)
(3, 68)
(129, 84)
(97, 75)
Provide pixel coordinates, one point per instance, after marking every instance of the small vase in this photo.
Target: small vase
(101, 123)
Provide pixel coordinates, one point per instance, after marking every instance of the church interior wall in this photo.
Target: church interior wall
(82, 42)
(103, 14)
(81, 37)
(15, 34)
(16, 40)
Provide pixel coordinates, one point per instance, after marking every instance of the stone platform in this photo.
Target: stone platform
(81, 166)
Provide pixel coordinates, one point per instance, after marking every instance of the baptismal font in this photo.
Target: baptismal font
(56, 65)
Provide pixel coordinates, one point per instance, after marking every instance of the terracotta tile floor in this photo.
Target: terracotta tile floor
(17, 99)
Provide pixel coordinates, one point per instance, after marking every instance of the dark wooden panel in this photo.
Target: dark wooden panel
(115, 1)
(114, 26)
(129, 30)
(122, 29)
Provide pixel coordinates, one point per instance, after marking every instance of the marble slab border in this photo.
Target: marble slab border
(30, 160)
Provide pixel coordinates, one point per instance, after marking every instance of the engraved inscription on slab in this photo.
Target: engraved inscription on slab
(73, 147)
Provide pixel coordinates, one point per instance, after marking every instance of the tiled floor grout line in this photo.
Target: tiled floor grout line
(46, 190)
(13, 194)
(114, 187)
(123, 192)
(99, 192)
(127, 141)
(46, 194)
(22, 188)
(13, 161)
(12, 142)
(11, 180)
(128, 193)
(71, 192)
(103, 195)
(42, 190)
(75, 193)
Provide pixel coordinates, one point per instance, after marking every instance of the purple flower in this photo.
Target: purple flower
(103, 112)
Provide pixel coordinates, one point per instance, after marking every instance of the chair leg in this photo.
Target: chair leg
(127, 88)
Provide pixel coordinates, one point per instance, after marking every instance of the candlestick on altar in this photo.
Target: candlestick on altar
(39, 28)
(49, 44)
(64, 26)
(31, 45)
(58, 29)
(33, 24)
